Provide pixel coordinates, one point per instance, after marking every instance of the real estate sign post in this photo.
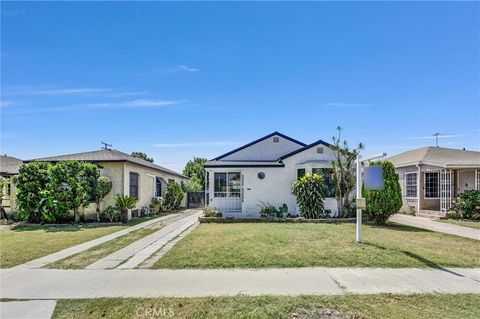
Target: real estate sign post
(376, 184)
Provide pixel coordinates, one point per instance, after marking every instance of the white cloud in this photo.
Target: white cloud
(347, 105)
(195, 144)
(134, 103)
(65, 91)
(6, 103)
(175, 69)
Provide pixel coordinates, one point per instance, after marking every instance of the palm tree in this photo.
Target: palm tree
(124, 203)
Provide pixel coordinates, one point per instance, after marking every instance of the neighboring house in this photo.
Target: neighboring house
(9, 167)
(261, 173)
(130, 175)
(431, 177)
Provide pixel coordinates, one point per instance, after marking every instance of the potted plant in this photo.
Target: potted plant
(124, 203)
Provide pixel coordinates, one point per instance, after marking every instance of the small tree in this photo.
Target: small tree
(344, 172)
(193, 184)
(3, 193)
(196, 167)
(310, 193)
(102, 188)
(381, 204)
(73, 183)
(31, 185)
(173, 197)
(124, 203)
(142, 156)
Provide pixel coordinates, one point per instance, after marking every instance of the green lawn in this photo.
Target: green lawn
(328, 245)
(23, 243)
(85, 258)
(465, 223)
(354, 306)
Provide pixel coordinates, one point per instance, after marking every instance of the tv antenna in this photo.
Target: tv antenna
(436, 138)
(106, 146)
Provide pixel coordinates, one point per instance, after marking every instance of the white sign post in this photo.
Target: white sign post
(361, 201)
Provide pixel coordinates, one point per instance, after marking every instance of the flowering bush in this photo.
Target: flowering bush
(466, 205)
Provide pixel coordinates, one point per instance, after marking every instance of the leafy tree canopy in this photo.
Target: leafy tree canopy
(196, 167)
(142, 156)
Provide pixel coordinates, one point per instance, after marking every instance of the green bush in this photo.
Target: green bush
(173, 197)
(310, 193)
(270, 211)
(466, 205)
(158, 205)
(210, 212)
(32, 185)
(381, 204)
(110, 214)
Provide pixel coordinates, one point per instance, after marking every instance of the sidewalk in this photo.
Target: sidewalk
(426, 223)
(62, 284)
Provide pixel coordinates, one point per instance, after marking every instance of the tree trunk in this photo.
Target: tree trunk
(98, 211)
(76, 215)
(3, 214)
(124, 215)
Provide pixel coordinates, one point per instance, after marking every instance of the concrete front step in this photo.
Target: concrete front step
(431, 214)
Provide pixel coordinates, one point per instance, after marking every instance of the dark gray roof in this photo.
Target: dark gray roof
(9, 165)
(106, 156)
(437, 156)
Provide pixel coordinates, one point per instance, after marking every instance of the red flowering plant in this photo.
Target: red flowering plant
(466, 205)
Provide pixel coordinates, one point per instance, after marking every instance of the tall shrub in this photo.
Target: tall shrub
(381, 204)
(310, 193)
(73, 182)
(31, 184)
(103, 186)
(174, 196)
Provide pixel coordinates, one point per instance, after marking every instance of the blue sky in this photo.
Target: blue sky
(177, 80)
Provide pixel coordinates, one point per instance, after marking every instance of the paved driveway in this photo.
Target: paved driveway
(426, 223)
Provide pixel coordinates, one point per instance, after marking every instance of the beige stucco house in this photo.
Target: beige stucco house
(431, 177)
(9, 167)
(130, 176)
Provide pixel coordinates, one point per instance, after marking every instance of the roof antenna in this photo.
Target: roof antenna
(436, 138)
(105, 146)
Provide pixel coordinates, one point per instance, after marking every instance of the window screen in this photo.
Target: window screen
(431, 185)
(411, 185)
(133, 185)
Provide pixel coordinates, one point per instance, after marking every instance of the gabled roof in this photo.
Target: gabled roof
(259, 140)
(106, 156)
(437, 156)
(306, 147)
(9, 165)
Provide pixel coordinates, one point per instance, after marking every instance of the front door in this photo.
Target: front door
(446, 192)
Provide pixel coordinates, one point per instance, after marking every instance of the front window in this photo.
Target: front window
(158, 187)
(327, 174)
(411, 185)
(431, 185)
(227, 184)
(134, 185)
(300, 173)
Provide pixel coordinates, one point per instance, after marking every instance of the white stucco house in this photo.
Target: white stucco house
(242, 181)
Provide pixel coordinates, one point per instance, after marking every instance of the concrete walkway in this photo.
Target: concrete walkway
(429, 224)
(28, 309)
(137, 252)
(43, 261)
(60, 284)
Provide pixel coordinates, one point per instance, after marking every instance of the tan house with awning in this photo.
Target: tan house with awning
(431, 177)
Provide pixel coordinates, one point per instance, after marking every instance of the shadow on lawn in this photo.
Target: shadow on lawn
(400, 227)
(421, 259)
